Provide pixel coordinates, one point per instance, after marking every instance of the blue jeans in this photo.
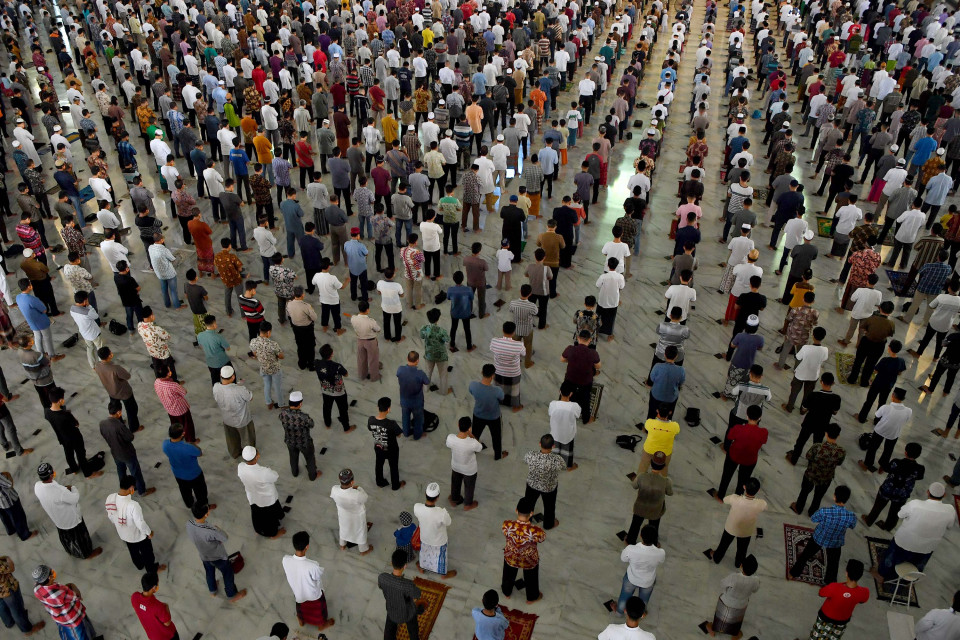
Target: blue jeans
(895, 555)
(92, 297)
(210, 566)
(131, 312)
(401, 224)
(273, 381)
(366, 223)
(626, 591)
(237, 228)
(292, 240)
(169, 290)
(266, 268)
(12, 612)
(415, 414)
(133, 466)
(75, 201)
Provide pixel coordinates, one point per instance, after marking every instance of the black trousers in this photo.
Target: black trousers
(636, 523)
(743, 474)
(806, 432)
(927, 335)
(392, 321)
(819, 490)
(875, 441)
(142, 555)
(878, 393)
(361, 281)
(392, 457)
(133, 411)
(496, 426)
(326, 310)
(306, 341)
(725, 539)
(76, 454)
(380, 250)
(549, 504)
(892, 518)
(454, 324)
(542, 302)
(390, 629)
(808, 553)
(342, 405)
(581, 395)
(193, 491)
(431, 264)
(531, 581)
(868, 354)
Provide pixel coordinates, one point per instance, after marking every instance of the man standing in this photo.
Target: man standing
(433, 522)
(464, 448)
(302, 318)
(940, 624)
(186, 470)
(368, 349)
(127, 516)
(874, 332)
(521, 553)
(925, 522)
(351, 501)
(506, 358)
(823, 458)
(841, 599)
(296, 435)
(234, 402)
(741, 522)
(116, 381)
(412, 381)
(209, 539)
(487, 398)
(385, 432)
(832, 524)
(63, 603)
(260, 484)
(402, 598)
(62, 504)
(153, 614)
(889, 421)
(305, 577)
(119, 438)
(543, 479)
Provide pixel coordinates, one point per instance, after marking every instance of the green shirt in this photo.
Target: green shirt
(435, 339)
(214, 348)
(450, 207)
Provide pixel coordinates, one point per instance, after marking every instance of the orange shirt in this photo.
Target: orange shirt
(264, 149)
(474, 115)
(539, 98)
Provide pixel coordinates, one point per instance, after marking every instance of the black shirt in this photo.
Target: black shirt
(127, 288)
(384, 432)
(821, 406)
(841, 174)
(750, 303)
(195, 293)
(64, 425)
(310, 248)
(888, 369)
(231, 202)
(513, 217)
(566, 218)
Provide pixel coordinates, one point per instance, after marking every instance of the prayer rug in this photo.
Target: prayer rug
(94, 239)
(433, 593)
(794, 540)
(521, 624)
(877, 547)
(86, 194)
(897, 278)
(845, 366)
(824, 226)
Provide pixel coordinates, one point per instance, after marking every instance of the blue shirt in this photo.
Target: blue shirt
(486, 400)
(356, 256)
(548, 160)
(932, 277)
(34, 311)
(183, 459)
(667, 378)
(489, 627)
(239, 160)
(479, 84)
(461, 301)
(66, 183)
(922, 150)
(832, 524)
(411, 380)
(214, 348)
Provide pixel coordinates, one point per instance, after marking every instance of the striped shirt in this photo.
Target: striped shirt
(62, 604)
(506, 356)
(523, 312)
(172, 396)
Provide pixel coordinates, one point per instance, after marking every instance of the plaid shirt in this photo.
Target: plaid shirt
(933, 276)
(62, 604)
(534, 178)
(832, 524)
(172, 396)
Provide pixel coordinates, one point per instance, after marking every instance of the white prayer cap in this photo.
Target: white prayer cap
(296, 397)
(433, 490)
(894, 148)
(249, 453)
(57, 128)
(500, 137)
(430, 116)
(651, 132)
(16, 143)
(808, 234)
(227, 372)
(752, 321)
(746, 227)
(28, 253)
(158, 133)
(941, 151)
(936, 489)
(442, 101)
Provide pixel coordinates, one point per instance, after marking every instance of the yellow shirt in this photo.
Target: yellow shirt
(798, 291)
(390, 129)
(427, 34)
(264, 149)
(524, 203)
(660, 436)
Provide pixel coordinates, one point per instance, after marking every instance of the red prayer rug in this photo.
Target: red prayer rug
(794, 540)
(521, 624)
(433, 593)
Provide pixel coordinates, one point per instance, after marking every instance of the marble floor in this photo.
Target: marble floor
(580, 566)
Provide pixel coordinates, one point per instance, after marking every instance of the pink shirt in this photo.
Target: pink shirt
(684, 209)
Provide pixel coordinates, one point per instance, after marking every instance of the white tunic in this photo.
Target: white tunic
(352, 513)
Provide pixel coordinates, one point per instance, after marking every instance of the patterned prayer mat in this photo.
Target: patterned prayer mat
(521, 624)
(794, 540)
(824, 226)
(433, 593)
(877, 547)
(845, 366)
(897, 278)
(94, 239)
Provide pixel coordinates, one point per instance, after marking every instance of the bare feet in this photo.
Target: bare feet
(35, 628)
(369, 549)
(148, 492)
(95, 553)
(539, 598)
(473, 505)
(518, 408)
(26, 451)
(504, 454)
(240, 595)
(162, 567)
(326, 625)
(573, 467)
(95, 474)
(449, 574)
(351, 428)
(279, 533)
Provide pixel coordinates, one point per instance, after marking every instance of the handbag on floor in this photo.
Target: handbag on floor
(236, 561)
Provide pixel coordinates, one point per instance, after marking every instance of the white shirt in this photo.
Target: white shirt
(847, 218)
(305, 577)
(739, 247)
(328, 288)
(430, 234)
(60, 503)
(266, 242)
(938, 624)
(190, 94)
(587, 87)
(809, 360)
(463, 458)
(623, 632)
(351, 513)
(101, 188)
(86, 319)
(923, 524)
(865, 302)
(945, 308)
(610, 284)
(563, 420)
(618, 250)
(894, 179)
(909, 224)
(390, 296)
(793, 232)
(226, 138)
(214, 182)
(485, 174)
(269, 115)
(499, 153)
(893, 417)
(642, 562)
(433, 523)
(114, 252)
(127, 516)
(742, 274)
(680, 295)
(259, 482)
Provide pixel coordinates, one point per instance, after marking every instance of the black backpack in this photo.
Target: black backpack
(117, 328)
(629, 442)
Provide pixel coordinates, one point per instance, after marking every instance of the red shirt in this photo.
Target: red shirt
(377, 97)
(747, 440)
(840, 600)
(259, 77)
(153, 614)
(339, 93)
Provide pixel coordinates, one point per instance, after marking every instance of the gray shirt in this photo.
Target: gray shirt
(231, 202)
(335, 216)
(208, 539)
(119, 438)
(419, 187)
(737, 589)
(402, 206)
(900, 202)
(671, 333)
(803, 256)
(339, 172)
(234, 402)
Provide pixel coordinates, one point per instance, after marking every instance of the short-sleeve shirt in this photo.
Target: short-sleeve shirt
(183, 459)
(746, 441)
(486, 400)
(581, 364)
(660, 436)
(330, 374)
(214, 348)
(747, 345)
